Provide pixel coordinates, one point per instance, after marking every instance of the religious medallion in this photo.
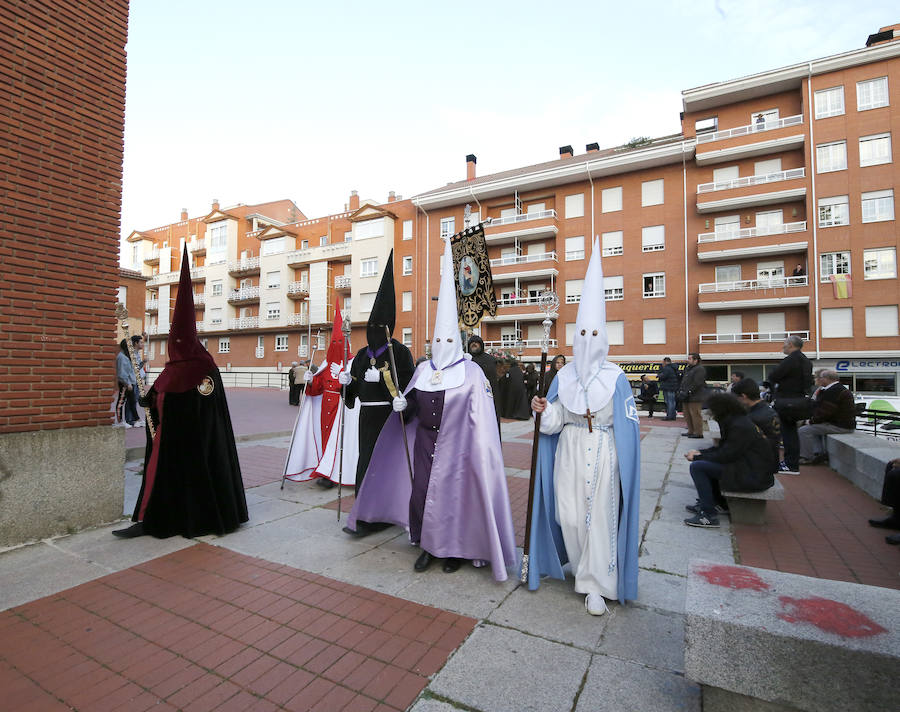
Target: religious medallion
(206, 386)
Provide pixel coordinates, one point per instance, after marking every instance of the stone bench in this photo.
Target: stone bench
(761, 641)
(750, 507)
(861, 459)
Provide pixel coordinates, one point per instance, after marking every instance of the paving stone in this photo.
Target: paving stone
(673, 559)
(308, 493)
(646, 637)
(431, 705)
(469, 591)
(267, 510)
(494, 670)
(662, 592)
(619, 686)
(383, 569)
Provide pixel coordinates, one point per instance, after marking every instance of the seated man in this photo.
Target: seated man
(890, 495)
(833, 411)
(761, 413)
(648, 394)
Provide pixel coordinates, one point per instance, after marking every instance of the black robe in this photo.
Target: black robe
(516, 399)
(196, 477)
(488, 364)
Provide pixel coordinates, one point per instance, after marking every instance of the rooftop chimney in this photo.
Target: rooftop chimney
(392, 196)
(215, 204)
(354, 200)
(470, 166)
(885, 34)
(592, 147)
(566, 152)
(184, 215)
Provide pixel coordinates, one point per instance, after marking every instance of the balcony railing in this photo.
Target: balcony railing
(298, 288)
(524, 259)
(199, 299)
(513, 344)
(342, 282)
(197, 246)
(203, 326)
(244, 322)
(151, 305)
(152, 256)
(776, 177)
(244, 294)
(198, 274)
(522, 217)
(749, 337)
(517, 301)
(244, 265)
(154, 329)
(338, 249)
(767, 125)
(737, 234)
(164, 278)
(745, 285)
(298, 320)
(260, 352)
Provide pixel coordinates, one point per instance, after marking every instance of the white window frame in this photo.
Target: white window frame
(224, 345)
(837, 322)
(880, 263)
(659, 285)
(574, 205)
(368, 229)
(612, 243)
(614, 288)
(834, 211)
(611, 199)
(273, 311)
(833, 263)
(653, 238)
(615, 333)
(654, 324)
(275, 246)
(448, 227)
(877, 206)
(653, 192)
(407, 230)
(368, 267)
(407, 337)
(880, 141)
(574, 254)
(217, 288)
(829, 102)
(574, 288)
(407, 266)
(281, 342)
(406, 301)
(831, 157)
(323, 240)
(215, 316)
(881, 309)
(277, 283)
(872, 94)
(366, 302)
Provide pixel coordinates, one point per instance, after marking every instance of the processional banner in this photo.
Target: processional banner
(474, 284)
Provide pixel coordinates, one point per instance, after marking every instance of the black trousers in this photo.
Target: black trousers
(890, 491)
(791, 410)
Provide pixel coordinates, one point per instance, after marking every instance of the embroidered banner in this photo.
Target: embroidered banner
(474, 285)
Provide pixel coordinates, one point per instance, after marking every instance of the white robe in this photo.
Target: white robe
(586, 486)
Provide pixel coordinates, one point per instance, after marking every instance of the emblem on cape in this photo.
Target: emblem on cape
(487, 388)
(468, 276)
(631, 409)
(437, 377)
(206, 386)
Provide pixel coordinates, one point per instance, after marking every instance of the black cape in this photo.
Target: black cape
(196, 477)
(517, 405)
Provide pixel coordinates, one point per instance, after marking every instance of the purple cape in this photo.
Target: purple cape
(467, 512)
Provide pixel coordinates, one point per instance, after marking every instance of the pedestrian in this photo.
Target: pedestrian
(760, 412)
(555, 365)
(517, 404)
(587, 486)
(293, 386)
(793, 380)
(531, 381)
(488, 364)
(137, 345)
(692, 392)
(457, 505)
(667, 378)
(648, 394)
(890, 496)
(501, 391)
(799, 271)
(735, 377)
(126, 404)
(833, 412)
(765, 391)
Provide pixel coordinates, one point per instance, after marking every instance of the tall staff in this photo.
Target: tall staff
(300, 409)
(122, 316)
(549, 304)
(345, 328)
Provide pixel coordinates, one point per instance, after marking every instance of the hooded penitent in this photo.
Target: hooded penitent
(384, 310)
(323, 383)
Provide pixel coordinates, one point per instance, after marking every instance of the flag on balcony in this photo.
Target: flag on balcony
(474, 284)
(843, 288)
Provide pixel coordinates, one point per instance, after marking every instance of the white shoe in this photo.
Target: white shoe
(120, 425)
(138, 424)
(595, 604)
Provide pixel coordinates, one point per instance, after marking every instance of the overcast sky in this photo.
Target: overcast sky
(255, 101)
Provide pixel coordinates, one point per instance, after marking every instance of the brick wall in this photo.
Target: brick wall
(62, 104)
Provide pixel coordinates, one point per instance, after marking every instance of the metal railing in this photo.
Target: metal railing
(244, 293)
(199, 298)
(297, 320)
(524, 259)
(513, 344)
(244, 264)
(152, 256)
(196, 245)
(745, 285)
(749, 337)
(298, 288)
(164, 278)
(521, 217)
(517, 301)
(881, 423)
(198, 273)
(151, 305)
(737, 234)
(342, 282)
(767, 125)
(154, 329)
(244, 322)
(776, 177)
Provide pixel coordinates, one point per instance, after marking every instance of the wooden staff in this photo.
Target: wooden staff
(122, 315)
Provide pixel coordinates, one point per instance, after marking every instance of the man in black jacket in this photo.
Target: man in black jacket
(761, 413)
(693, 392)
(649, 391)
(833, 411)
(792, 379)
(667, 377)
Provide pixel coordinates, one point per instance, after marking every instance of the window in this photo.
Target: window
(655, 285)
(837, 323)
(407, 229)
(881, 321)
(573, 290)
(611, 200)
(366, 301)
(273, 310)
(874, 150)
(134, 257)
(652, 192)
(406, 301)
(215, 315)
(770, 322)
(218, 241)
(771, 270)
(162, 347)
(281, 342)
(834, 211)
(348, 305)
(275, 246)
(216, 285)
(273, 280)
(871, 94)
(613, 288)
(727, 224)
(770, 222)
(612, 243)
(575, 248)
(304, 244)
(831, 157)
(615, 333)
(653, 238)
(323, 240)
(368, 229)
(122, 295)
(407, 266)
(764, 168)
(728, 325)
(368, 267)
(407, 337)
(728, 273)
(448, 227)
(833, 263)
(829, 102)
(224, 345)
(880, 263)
(575, 206)
(706, 125)
(878, 206)
(348, 236)
(725, 175)
(654, 331)
(570, 333)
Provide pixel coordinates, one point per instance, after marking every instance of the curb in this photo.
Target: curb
(133, 454)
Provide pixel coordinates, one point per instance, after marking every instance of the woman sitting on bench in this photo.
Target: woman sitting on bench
(743, 461)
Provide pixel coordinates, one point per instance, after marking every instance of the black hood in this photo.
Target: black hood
(475, 340)
(384, 310)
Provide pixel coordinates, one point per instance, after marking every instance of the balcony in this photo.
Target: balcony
(200, 300)
(513, 344)
(151, 305)
(198, 274)
(339, 252)
(511, 267)
(751, 242)
(723, 235)
(535, 225)
(751, 337)
(297, 320)
(523, 259)
(244, 295)
(153, 257)
(155, 329)
(165, 278)
(342, 282)
(764, 179)
(197, 247)
(298, 290)
(244, 322)
(203, 326)
(750, 129)
(244, 268)
(772, 292)
(790, 184)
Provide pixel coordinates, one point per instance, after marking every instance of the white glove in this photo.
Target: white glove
(335, 370)
(308, 376)
(399, 404)
(344, 378)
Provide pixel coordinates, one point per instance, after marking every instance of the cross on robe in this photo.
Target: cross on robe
(587, 416)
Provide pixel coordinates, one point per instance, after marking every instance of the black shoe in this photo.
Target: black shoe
(891, 522)
(423, 562)
(696, 437)
(893, 539)
(131, 532)
(695, 508)
(685, 435)
(703, 520)
(325, 483)
(452, 564)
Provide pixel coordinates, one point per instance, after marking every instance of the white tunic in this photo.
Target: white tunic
(586, 485)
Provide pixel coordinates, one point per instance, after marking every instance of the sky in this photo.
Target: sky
(248, 102)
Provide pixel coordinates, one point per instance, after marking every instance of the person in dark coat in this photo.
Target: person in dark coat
(793, 381)
(488, 364)
(370, 380)
(649, 391)
(517, 404)
(743, 461)
(192, 482)
(555, 366)
(693, 393)
(890, 496)
(760, 412)
(531, 380)
(667, 378)
(833, 412)
(502, 390)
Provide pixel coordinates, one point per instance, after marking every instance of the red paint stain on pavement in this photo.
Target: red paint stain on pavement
(830, 616)
(733, 577)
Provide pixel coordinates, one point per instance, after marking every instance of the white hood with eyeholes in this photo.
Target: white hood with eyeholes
(446, 347)
(589, 381)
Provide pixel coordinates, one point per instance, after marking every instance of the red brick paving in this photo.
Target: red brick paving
(207, 629)
(261, 464)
